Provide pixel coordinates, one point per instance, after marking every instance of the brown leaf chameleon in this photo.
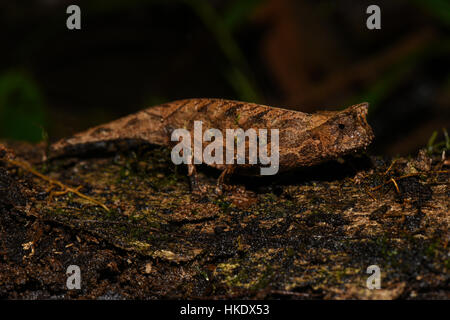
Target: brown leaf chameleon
(304, 139)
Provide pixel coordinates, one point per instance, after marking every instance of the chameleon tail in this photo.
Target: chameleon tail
(145, 126)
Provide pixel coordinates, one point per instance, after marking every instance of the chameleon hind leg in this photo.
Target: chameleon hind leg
(193, 177)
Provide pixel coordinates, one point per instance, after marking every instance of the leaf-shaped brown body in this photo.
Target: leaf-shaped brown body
(304, 139)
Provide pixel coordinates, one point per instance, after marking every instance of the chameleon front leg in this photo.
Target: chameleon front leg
(224, 177)
(193, 178)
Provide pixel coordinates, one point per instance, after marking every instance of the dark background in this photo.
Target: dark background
(308, 55)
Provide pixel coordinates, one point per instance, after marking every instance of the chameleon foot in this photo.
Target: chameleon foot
(64, 189)
(196, 187)
(221, 181)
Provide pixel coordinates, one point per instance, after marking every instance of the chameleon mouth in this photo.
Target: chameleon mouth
(363, 131)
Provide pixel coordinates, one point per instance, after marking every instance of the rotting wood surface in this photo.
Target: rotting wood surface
(307, 235)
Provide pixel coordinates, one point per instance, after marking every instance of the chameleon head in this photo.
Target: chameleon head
(343, 132)
(346, 132)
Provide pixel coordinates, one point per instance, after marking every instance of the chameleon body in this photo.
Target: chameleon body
(304, 139)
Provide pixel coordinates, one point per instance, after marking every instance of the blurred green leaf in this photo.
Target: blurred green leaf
(22, 110)
(396, 74)
(437, 147)
(241, 85)
(440, 9)
(238, 11)
(229, 47)
(383, 87)
(431, 141)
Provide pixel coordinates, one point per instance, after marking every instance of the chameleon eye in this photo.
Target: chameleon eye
(341, 126)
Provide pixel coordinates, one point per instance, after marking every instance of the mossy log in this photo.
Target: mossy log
(309, 234)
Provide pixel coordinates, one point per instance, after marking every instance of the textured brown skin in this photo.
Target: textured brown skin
(304, 139)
